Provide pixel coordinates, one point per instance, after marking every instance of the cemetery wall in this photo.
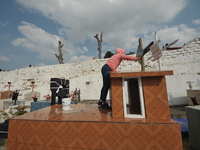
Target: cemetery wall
(86, 76)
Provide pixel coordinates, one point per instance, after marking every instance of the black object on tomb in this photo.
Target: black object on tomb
(60, 88)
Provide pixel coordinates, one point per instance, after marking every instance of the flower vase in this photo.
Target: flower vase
(35, 99)
(48, 99)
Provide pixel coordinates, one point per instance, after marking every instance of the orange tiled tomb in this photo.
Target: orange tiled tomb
(139, 120)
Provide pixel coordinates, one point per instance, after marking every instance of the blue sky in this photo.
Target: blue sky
(30, 29)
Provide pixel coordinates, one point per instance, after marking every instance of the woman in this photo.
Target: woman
(111, 65)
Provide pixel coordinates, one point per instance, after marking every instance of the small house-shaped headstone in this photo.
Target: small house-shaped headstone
(29, 96)
(6, 95)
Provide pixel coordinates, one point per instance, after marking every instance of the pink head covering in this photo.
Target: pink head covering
(119, 51)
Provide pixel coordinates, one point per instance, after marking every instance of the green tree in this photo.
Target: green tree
(108, 54)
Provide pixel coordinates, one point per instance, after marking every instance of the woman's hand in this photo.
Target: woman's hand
(138, 58)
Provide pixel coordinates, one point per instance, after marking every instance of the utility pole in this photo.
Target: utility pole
(142, 60)
(99, 43)
(156, 39)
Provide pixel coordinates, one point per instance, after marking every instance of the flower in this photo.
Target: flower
(47, 95)
(34, 96)
(75, 95)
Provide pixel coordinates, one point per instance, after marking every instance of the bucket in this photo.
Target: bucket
(66, 103)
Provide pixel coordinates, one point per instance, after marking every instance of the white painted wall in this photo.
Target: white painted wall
(184, 62)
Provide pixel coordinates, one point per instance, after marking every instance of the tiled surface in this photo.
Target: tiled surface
(140, 136)
(25, 131)
(91, 128)
(117, 97)
(115, 74)
(154, 90)
(167, 136)
(114, 136)
(89, 135)
(66, 128)
(12, 130)
(80, 112)
(43, 103)
(155, 96)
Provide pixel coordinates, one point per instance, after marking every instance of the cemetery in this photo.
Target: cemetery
(140, 99)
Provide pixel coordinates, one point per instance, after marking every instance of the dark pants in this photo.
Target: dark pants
(105, 71)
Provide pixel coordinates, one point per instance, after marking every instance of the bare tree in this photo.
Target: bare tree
(99, 43)
(60, 56)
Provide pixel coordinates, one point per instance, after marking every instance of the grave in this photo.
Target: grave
(88, 126)
(6, 95)
(39, 105)
(28, 96)
(193, 97)
(193, 116)
(14, 101)
(8, 103)
(139, 119)
(60, 90)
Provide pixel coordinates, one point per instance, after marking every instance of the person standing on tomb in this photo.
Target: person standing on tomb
(111, 65)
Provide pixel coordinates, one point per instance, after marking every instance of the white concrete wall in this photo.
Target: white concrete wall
(86, 75)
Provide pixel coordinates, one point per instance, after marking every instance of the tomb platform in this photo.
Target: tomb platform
(139, 120)
(87, 126)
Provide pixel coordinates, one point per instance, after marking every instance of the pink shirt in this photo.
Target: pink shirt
(116, 59)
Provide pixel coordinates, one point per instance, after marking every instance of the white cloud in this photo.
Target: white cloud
(4, 58)
(85, 49)
(197, 21)
(79, 59)
(122, 21)
(41, 64)
(23, 42)
(46, 44)
(4, 23)
(181, 32)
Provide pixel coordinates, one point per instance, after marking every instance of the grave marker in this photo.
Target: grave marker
(32, 85)
(9, 85)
